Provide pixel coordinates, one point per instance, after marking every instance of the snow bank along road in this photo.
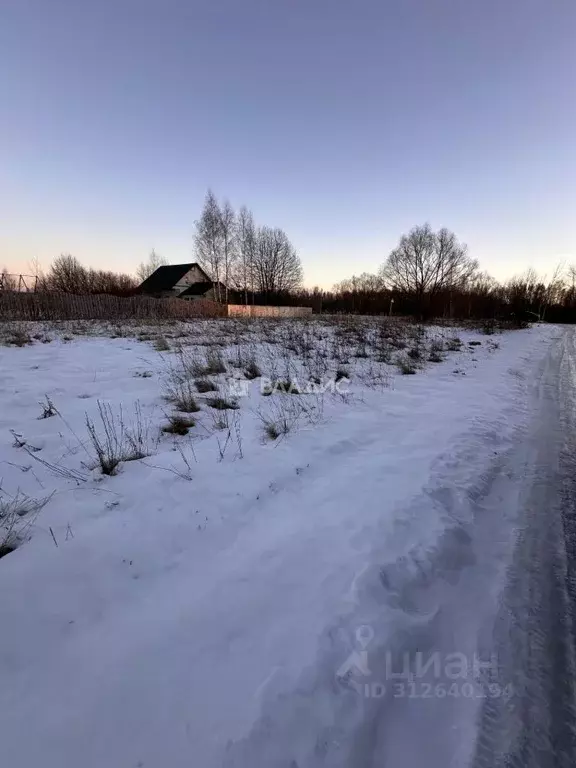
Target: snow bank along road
(392, 587)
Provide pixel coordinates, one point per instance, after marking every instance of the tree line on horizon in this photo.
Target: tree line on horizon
(429, 274)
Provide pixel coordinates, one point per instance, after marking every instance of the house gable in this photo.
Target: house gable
(172, 279)
(194, 275)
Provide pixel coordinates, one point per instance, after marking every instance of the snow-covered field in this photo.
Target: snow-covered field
(195, 606)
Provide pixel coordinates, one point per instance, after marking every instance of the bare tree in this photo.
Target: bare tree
(555, 289)
(364, 283)
(482, 284)
(147, 268)
(8, 282)
(209, 241)
(35, 269)
(529, 294)
(277, 266)
(229, 243)
(246, 248)
(570, 293)
(67, 275)
(100, 281)
(426, 262)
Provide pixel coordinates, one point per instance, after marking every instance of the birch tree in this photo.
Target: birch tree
(208, 241)
(246, 251)
(229, 242)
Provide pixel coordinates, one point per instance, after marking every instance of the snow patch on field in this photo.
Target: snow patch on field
(195, 607)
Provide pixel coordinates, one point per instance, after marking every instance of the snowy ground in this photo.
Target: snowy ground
(226, 599)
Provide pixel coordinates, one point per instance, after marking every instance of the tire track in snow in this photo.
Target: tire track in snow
(534, 633)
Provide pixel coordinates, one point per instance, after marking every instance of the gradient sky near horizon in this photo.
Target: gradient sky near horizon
(343, 122)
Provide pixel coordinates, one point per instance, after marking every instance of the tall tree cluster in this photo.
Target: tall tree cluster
(67, 275)
(238, 254)
(426, 262)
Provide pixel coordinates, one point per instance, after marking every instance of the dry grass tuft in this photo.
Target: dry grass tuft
(205, 385)
(222, 404)
(178, 424)
(114, 441)
(252, 371)
(406, 366)
(17, 515)
(161, 344)
(48, 409)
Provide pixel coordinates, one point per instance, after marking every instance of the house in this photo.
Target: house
(205, 290)
(183, 281)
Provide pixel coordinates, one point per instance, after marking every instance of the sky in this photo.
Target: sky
(345, 122)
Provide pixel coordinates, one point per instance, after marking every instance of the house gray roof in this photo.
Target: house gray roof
(165, 278)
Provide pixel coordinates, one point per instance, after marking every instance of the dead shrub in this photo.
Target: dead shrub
(454, 344)
(406, 366)
(161, 344)
(182, 395)
(115, 442)
(214, 363)
(205, 385)
(280, 419)
(272, 430)
(222, 404)
(384, 356)
(17, 336)
(13, 525)
(48, 409)
(375, 376)
(178, 424)
(361, 351)
(252, 371)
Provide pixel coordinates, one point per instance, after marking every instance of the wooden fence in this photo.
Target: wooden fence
(15, 305)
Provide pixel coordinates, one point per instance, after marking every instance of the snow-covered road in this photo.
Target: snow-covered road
(388, 589)
(503, 592)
